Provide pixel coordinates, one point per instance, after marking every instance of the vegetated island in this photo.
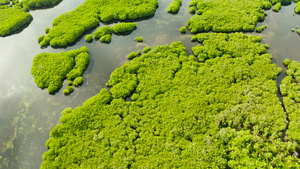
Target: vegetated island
(228, 16)
(71, 25)
(14, 16)
(50, 69)
(220, 112)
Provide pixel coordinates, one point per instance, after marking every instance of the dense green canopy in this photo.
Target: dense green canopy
(175, 6)
(13, 19)
(71, 25)
(227, 15)
(221, 113)
(34, 4)
(50, 69)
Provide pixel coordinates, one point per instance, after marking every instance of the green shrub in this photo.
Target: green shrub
(50, 69)
(298, 31)
(277, 7)
(293, 30)
(183, 29)
(174, 6)
(41, 38)
(124, 28)
(68, 90)
(36, 4)
(286, 62)
(192, 9)
(147, 49)
(89, 38)
(70, 82)
(132, 55)
(106, 38)
(78, 81)
(47, 30)
(139, 39)
(260, 29)
(13, 19)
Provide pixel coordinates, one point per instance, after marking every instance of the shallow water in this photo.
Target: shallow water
(27, 113)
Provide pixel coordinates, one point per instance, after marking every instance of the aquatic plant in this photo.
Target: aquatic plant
(139, 39)
(132, 55)
(89, 38)
(71, 25)
(70, 82)
(174, 6)
(68, 90)
(35, 4)
(139, 52)
(147, 49)
(290, 90)
(297, 7)
(47, 30)
(123, 28)
(277, 7)
(227, 16)
(50, 69)
(13, 19)
(106, 38)
(222, 113)
(192, 9)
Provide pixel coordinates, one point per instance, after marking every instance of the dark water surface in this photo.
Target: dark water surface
(27, 113)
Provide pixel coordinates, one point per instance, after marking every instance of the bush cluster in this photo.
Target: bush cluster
(139, 39)
(132, 55)
(297, 7)
(227, 16)
(183, 29)
(147, 49)
(50, 69)
(71, 25)
(290, 90)
(174, 6)
(89, 38)
(35, 4)
(68, 90)
(277, 7)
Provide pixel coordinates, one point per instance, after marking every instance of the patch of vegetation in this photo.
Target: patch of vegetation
(222, 113)
(277, 7)
(102, 31)
(68, 90)
(36, 4)
(106, 38)
(139, 39)
(147, 49)
(71, 25)
(13, 19)
(227, 16)
(297, 7)
(261, 28)
(78, 81)
(89, 38)
(290, 90)
(50, 69)
(183, 29)
(122, 28)
(132, 55)
(174, 6)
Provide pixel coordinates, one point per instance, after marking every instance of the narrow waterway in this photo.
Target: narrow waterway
(27, 113)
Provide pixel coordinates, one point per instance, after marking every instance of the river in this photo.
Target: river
(28, 113)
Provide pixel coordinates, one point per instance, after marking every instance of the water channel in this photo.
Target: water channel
(27, 113)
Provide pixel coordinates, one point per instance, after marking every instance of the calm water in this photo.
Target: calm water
(27, 113)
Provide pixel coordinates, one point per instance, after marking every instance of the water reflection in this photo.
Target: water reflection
(27, 113)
